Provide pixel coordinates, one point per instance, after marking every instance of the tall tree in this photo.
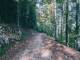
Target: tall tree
(18, 13)
(77, 22)
(66, 32)
(62, 20)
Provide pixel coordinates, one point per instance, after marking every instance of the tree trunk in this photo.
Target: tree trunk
(55, 19)
(77, 24)
(66, 32)
(62, 21)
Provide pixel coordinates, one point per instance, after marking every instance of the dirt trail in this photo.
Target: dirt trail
(34, 43)
(40, 47)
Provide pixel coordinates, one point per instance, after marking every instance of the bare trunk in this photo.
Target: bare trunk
(66, 23)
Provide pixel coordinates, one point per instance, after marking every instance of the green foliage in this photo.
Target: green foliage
(9, 34)
(46, 22)
(8, 11)
(28, 14)
(3, 49)
(59, 1)
(46, 1)
(46, 28)
(45, 19)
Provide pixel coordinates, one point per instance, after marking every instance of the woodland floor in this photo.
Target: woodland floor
(38, 46)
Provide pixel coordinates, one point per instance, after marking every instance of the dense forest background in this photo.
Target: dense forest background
(57, 18)
(60, 19)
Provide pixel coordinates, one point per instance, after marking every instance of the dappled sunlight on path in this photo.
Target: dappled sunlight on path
(41, 47)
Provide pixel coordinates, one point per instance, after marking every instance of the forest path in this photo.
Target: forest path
(38, 46)
(33, 44)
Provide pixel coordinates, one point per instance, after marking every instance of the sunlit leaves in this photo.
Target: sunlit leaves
(45, 17)
(46, 1)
